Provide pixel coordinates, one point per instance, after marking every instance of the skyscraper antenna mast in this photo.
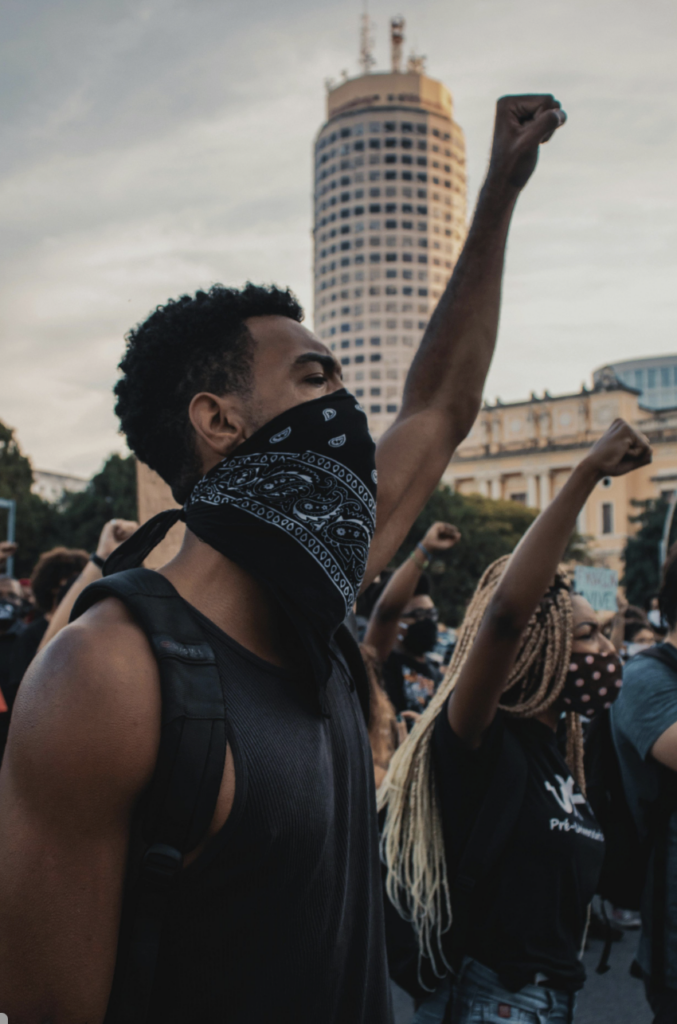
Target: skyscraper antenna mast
(367, 59)
(396, 41)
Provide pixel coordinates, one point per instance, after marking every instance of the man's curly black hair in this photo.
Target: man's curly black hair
(189, 345)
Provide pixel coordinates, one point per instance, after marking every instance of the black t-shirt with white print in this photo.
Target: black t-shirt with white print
(530, 916)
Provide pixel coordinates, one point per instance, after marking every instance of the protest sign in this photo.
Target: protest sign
(598, 586)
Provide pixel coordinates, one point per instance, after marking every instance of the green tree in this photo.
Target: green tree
(490, 529)
(641, 577)
(76, 520)
(110, 494)
(35, 518)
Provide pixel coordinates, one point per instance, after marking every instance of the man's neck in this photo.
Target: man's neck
(671, 638)
(229, 596)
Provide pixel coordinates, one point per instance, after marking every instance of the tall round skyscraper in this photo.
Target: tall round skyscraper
(389, 221)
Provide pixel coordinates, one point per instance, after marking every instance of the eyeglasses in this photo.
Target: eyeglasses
(420, 614)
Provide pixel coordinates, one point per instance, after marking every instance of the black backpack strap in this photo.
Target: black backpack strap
(490, 835)
(189, 770)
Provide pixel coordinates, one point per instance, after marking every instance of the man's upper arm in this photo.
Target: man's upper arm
(646, 710)
(410, 459)
(82, 746)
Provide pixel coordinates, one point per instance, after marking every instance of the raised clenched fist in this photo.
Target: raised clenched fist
(441, 537)
(619, 451)
(114, 533)
(522, 124)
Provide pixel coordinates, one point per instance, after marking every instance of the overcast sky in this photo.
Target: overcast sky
(151, 148)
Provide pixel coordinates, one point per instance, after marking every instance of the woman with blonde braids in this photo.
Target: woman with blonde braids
(528, 653)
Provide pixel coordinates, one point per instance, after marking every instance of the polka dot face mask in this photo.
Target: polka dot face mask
(593, 683)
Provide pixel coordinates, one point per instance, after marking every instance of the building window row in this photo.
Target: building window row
(375, 128)
(391, 339)
(420, 176)
(375, 192)
(374, 257)
(658, 376)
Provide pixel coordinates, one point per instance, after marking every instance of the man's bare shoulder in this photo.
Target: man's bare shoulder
(90, 703)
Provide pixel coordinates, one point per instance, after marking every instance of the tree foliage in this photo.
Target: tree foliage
(76, 520)
(34, 517)
(641, 578)
(489, 530)
(110, 494)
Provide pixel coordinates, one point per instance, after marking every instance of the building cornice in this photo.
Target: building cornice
(667, 436)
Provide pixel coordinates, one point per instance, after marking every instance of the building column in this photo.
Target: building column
(532, 497)
(544, 488)
(495, 488)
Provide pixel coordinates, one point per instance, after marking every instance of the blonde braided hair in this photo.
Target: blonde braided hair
(412, 845)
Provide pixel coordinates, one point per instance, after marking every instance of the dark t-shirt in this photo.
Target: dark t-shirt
(280, 919)
(410, 683)
(646, 707)
(530, 916)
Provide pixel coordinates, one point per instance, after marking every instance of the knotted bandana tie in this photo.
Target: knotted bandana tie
(295, 505)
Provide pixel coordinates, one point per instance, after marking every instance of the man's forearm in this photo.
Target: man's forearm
(452, 362)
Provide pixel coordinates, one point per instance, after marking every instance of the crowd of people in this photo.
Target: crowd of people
(225, 799)
(33, 610)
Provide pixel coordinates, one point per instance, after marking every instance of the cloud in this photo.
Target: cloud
(152, 148)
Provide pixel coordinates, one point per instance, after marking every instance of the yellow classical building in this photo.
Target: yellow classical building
(525, 451)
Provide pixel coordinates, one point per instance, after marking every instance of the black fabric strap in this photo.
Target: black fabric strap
(182, 797)
(133, 552)
(491, 833)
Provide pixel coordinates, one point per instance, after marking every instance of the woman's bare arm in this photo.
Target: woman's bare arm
(528, 575)
(383, 625)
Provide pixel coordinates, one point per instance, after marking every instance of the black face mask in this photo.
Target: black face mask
(295, 505)
(421, 636)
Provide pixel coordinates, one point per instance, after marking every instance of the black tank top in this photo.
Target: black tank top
(280, 919)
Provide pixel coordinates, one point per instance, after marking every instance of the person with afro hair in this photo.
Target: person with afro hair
(277, 914)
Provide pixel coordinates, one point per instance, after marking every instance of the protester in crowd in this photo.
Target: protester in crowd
(628, 621)
(486, 747)
(8, 548)
(11, 628)
(653, 614)
(114, 533)
(53, 574)
(54, 570)
(639, 636)
(644, 723)
(385, 731)
(403, 626)
(242, 411)
(444, 645)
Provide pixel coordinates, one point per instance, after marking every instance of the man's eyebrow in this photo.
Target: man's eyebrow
(327, 362)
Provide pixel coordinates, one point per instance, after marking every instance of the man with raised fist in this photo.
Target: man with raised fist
(274, 910)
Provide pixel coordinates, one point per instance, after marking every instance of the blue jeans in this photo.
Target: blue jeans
(479, 998)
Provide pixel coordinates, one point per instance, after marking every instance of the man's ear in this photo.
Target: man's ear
(219, 423)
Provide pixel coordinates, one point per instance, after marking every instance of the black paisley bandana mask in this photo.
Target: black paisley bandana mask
(295, 505)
